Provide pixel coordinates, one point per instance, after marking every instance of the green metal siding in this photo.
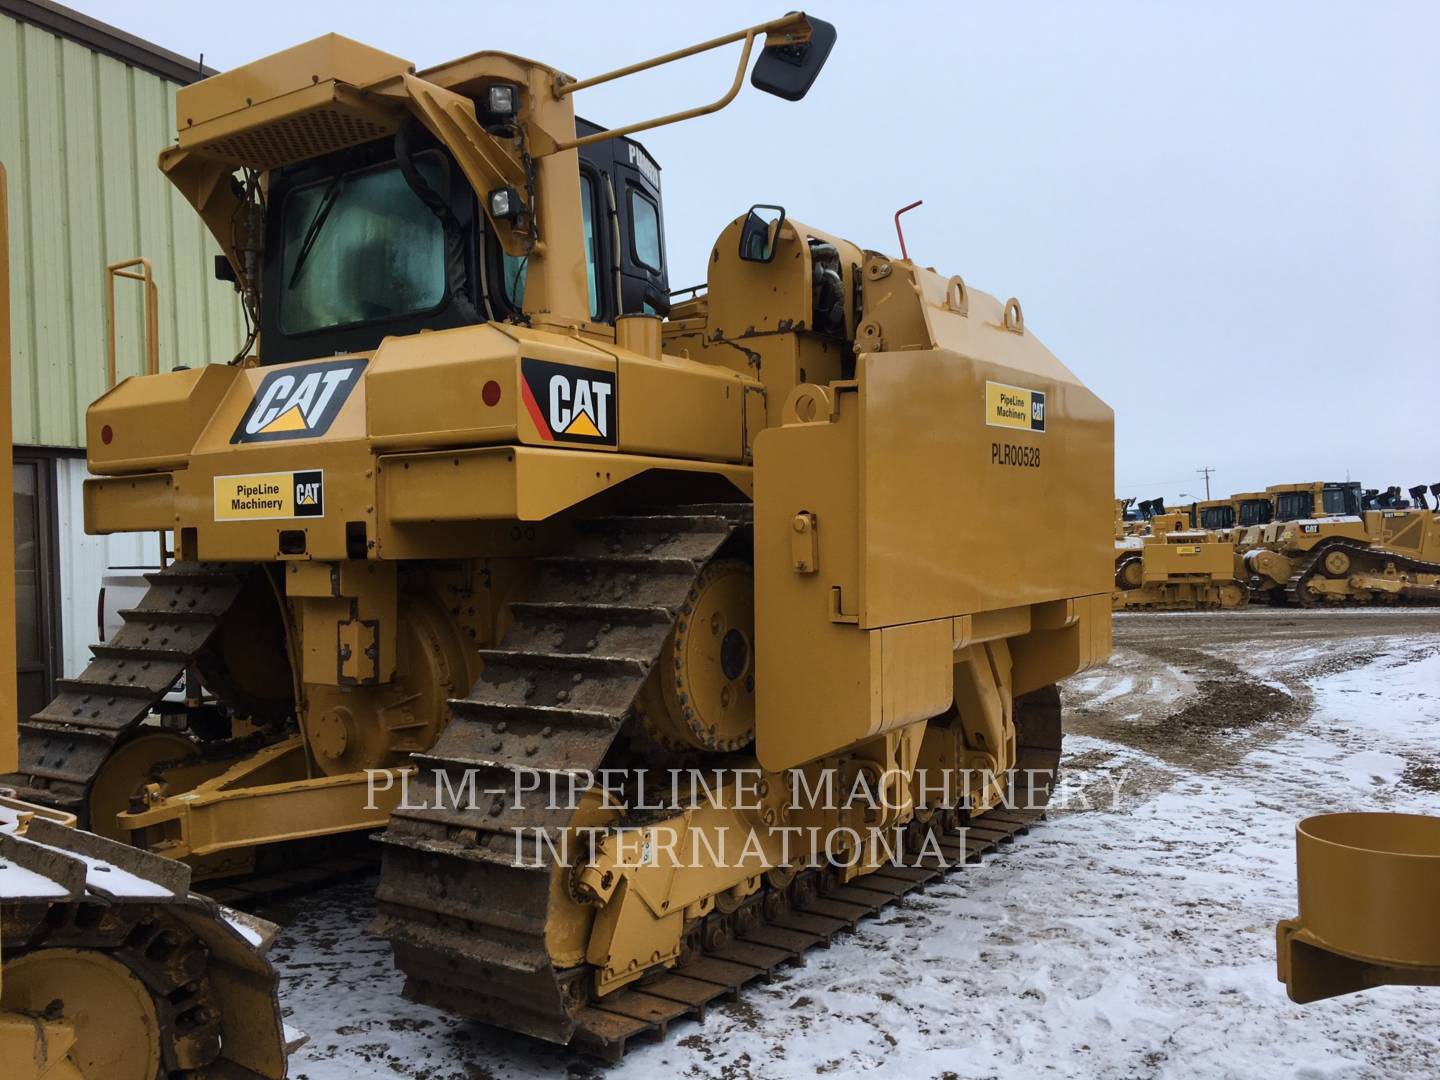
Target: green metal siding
(79, 133)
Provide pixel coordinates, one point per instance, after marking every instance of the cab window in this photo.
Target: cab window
(1255, 512)
(645, 230)
(1294, 505)
(1341, 500)
(514, 266)
(587, 214)
(513, 270)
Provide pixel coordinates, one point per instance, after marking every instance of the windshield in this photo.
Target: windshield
(360, 247)
(1217, 517)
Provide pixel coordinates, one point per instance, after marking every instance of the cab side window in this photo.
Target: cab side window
(645, 235)
(514, 266)
(592, 258)
(1341, 500)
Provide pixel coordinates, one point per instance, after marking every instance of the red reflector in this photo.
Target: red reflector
(490, 393)
(106, 434)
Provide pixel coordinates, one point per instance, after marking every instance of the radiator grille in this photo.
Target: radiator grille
(297, 137)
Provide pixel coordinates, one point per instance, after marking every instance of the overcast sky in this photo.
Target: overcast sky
(1224, 217)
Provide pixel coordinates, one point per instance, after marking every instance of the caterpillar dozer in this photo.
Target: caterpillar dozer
(1171, 566)
(110, 967)
(1323, 548)
(579, 590)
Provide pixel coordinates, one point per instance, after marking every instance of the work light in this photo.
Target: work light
(504, 203)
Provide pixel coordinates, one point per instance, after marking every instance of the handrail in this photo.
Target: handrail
(794, 25)
(152, 314)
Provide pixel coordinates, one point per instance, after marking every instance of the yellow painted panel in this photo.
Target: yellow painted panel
(939, 477)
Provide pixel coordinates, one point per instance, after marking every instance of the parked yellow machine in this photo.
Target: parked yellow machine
(472, 522)
(110, 969)
(1172, 567)
(1321, 548)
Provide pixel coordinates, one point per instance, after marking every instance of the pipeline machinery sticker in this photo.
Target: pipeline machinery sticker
(1014, 407)
(298, 402)
(569, 403)
(258, 496)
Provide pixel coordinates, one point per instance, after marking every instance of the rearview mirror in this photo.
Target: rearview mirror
(788, 71)
(760, 235)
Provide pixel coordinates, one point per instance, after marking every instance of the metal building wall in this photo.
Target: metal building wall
(79, 133)
(84, 561)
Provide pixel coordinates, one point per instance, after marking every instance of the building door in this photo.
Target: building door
(37, 619)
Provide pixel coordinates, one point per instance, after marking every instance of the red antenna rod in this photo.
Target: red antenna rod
(900, 232)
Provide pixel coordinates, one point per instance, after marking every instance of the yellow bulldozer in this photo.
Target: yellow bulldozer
(1168, 565)
(110, 967)
(1323, 547)
(580, 591)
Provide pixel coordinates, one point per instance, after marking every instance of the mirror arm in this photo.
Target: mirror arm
(672, 118)
(794, 26)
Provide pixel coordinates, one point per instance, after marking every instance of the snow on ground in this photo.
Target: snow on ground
(1124, 938)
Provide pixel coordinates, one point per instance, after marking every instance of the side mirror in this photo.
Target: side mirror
(788, 71)
(760, 235)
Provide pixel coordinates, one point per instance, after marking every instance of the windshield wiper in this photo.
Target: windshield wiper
(322, 214)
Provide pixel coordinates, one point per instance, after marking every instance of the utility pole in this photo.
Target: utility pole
(1205, 472)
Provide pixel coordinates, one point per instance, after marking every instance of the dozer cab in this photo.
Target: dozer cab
(1233, 516)
(1215, 515)
(586, 595)
(1253, 508)
(1324, 548)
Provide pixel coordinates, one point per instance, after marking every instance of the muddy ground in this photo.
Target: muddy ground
(1199, 691)
(1131, 936)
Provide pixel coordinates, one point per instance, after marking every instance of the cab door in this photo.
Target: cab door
(630, 232)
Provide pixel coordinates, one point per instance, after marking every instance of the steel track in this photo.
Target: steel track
(64, 746)
(467, 915)
(214, 993)
(1364, 559)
